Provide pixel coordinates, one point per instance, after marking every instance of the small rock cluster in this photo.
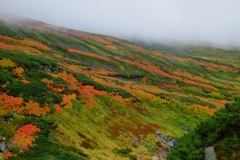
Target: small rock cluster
(168, 140)
(44, 69)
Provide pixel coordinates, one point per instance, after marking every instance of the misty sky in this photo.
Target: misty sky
(215, 21)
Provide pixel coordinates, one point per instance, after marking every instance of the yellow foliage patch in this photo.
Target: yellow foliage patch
(6, 62)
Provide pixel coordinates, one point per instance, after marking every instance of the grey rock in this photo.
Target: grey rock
(47, 69)
(171, 143)
(184, 128)
(3, 139)
(163, 140)
(2, 147)
(161, 136)
(210, 154)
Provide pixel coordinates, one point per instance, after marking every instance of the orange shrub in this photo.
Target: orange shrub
(58, 108)
(10, 102)
(67, 100)
(87, 94)
(111, 47)
(18, 71)
(88, 54)
(33, 108)
(100, 40)
(24, 139)
(6, 155)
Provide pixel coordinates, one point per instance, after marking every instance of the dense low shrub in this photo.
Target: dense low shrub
(221, 130)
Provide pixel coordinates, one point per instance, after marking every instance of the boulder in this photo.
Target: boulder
(171, 143)
(210, 154)
(2, 147)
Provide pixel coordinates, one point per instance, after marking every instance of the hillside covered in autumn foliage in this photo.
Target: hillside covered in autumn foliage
(67, 94)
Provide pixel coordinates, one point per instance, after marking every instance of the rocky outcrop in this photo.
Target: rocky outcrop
(171, 143)
(168, 140)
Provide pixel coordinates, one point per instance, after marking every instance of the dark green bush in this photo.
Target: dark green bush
(29, 61)
(220, 130)
(124, 151)
(14, 149)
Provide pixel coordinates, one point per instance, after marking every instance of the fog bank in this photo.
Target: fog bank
(187, 21)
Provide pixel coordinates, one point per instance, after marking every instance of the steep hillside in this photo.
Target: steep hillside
(66, 94)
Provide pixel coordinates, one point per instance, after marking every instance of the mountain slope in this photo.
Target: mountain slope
(91, 96)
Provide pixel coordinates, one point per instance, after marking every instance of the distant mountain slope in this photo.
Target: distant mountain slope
(208, 53)
(76, 95)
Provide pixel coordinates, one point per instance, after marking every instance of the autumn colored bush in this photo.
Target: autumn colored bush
(19, 106)
(10, 102)
(100, 40)
(6, 62)
(33, 108)
(111, 47)
(89, 54)
(6, 155)
(18, 48)
(58, 108)
(67, 103)
(25, 42)
(51, 84)
(25, 136)
(81, 35)
(167, 85)
(87, 94)
(18, 72)
(24, 139)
